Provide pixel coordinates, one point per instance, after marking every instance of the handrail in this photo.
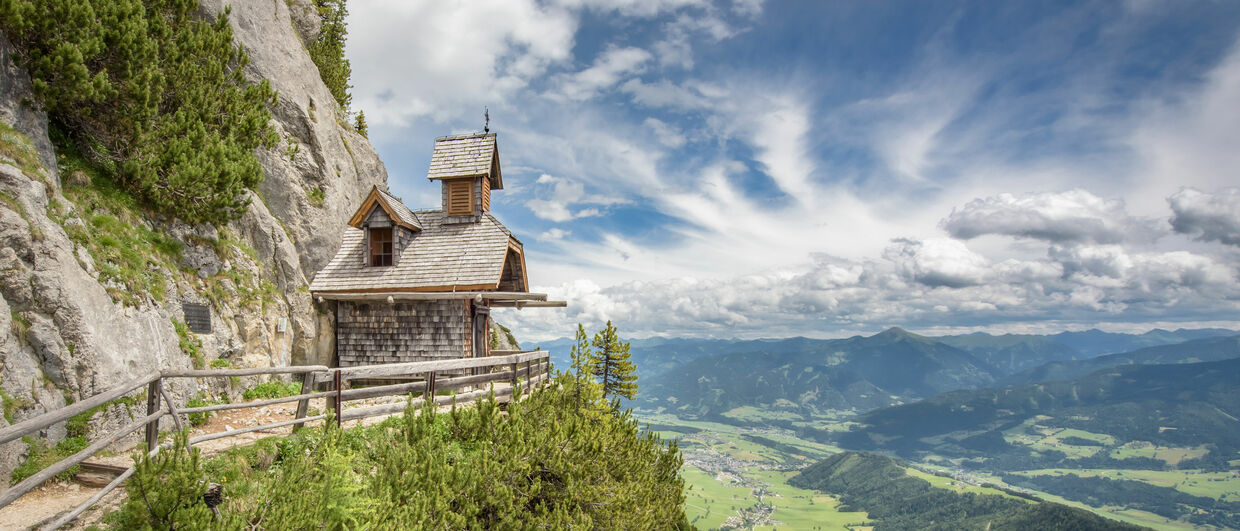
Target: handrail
(536, 372)
(16, 431)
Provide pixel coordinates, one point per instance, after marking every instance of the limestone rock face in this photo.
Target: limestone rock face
(66, 331)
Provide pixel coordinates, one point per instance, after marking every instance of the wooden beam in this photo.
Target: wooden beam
(207, 373)
(413, 367)
(47, 419)
(380, 295)
(529, 304)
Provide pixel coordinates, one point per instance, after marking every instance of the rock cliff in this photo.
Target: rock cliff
(69, 330)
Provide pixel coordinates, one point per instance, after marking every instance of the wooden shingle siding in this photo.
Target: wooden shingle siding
(466, 156)
(378, 332)
(486, 194)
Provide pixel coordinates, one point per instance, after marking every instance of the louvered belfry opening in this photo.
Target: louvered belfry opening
(460, 197)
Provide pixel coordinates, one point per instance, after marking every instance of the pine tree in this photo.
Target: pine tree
(612, 367)
(583, 362)
(327, 51)
(360, 124)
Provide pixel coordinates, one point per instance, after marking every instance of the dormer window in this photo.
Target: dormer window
(381, 248)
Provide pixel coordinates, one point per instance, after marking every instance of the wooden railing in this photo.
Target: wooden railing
(527, 370)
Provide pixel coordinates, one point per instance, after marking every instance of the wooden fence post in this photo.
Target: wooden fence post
(303, 406)
(429, 397)
(152, 405)
(337, 403)
(515, 380)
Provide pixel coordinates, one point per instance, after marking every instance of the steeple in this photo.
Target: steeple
(468, 168)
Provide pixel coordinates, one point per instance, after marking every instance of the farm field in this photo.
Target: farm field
(730, 478)
(1223, 486)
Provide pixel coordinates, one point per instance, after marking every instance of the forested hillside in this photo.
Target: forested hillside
(1181, 405)
(1212, 349)
(860, 373)
(882, 487)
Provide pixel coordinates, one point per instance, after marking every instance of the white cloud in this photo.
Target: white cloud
(554, 234)
(462, 56)
(562, 204)
(939, 262)
(667, 135)
(1207, 217)
(609, 68)
(1071, 216)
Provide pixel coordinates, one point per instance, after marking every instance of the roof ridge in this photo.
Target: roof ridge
(464, 136)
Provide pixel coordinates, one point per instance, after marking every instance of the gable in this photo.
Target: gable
(395, 211)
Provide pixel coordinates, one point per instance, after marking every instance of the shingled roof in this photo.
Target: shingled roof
(473, 155)
(442, 257)
(389, 203)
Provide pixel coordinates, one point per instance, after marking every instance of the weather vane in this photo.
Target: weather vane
(486, 116)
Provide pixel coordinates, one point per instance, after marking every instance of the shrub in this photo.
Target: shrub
(272, 390)
(544, 464)
(155, 91)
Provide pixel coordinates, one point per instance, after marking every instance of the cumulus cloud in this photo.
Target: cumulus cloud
(1207, 217)
(1057, 217)
(939, 262)
(923, 284)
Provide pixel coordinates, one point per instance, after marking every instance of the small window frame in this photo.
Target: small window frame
(384, 238)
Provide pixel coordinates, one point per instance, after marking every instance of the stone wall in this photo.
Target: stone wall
(378, 332)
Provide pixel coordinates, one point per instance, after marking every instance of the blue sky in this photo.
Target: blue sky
(759, 169)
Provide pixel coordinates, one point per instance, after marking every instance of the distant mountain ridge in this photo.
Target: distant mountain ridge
(1211, 349)
(1181, 404)
(1006, 353)
(858, 373)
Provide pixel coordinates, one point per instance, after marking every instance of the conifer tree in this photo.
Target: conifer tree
(327, 51)
(612, 367)
(360, 124)
(583, 362)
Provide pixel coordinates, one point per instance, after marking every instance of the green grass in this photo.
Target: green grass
(797, 508)
(754, 414)
(11, 404)
(957, 486)
(17, 148)
(316, 196)
(1218, 485)
(1172, 455)
(709, 501)
(40, 456)
(190, 345)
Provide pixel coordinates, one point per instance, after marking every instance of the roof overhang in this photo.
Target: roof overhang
(502, 299)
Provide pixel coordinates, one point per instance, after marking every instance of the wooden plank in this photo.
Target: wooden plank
(382, 294)
(16, 431)
(172, 409)
(413, 367)
(257, 403)
(389, 409)
(303, 402)
(152, 405)
(16, 491)
(207, 373)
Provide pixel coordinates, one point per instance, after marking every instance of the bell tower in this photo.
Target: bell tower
(467, 167)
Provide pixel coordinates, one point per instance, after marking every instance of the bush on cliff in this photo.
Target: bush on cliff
(544, 464)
